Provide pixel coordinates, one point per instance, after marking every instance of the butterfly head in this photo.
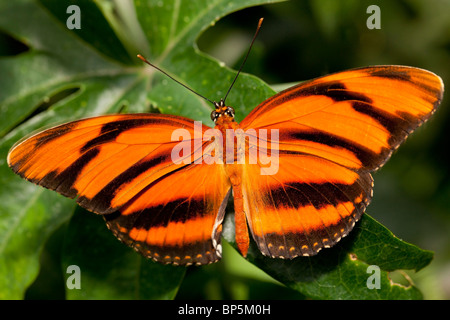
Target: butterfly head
(222, 112)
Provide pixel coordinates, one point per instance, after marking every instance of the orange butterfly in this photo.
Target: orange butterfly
(331, 133)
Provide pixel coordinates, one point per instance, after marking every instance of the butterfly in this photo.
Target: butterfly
(333, 132)
(298, 166)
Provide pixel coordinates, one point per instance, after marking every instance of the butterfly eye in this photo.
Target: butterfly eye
(214, 116)
(230, 112)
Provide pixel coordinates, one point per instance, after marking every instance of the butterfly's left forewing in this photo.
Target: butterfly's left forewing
(123, 167)
(104, 161)
(332, 132)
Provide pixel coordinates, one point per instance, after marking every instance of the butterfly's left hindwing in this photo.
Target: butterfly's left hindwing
(176, 219)
(121, 166)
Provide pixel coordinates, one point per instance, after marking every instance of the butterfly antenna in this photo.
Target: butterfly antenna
(168, 75)
(245, 59)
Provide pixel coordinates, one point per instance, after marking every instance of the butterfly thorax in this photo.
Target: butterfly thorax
(223, 117)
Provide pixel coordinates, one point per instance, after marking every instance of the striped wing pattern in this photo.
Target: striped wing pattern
(120, 166)
(310, 203)
(333, 131)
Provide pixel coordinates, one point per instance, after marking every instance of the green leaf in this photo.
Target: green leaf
(342, 271)
(96, 31)
(109, 269)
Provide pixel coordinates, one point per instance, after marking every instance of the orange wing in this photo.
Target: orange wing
(121, 166)
(333, 131)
